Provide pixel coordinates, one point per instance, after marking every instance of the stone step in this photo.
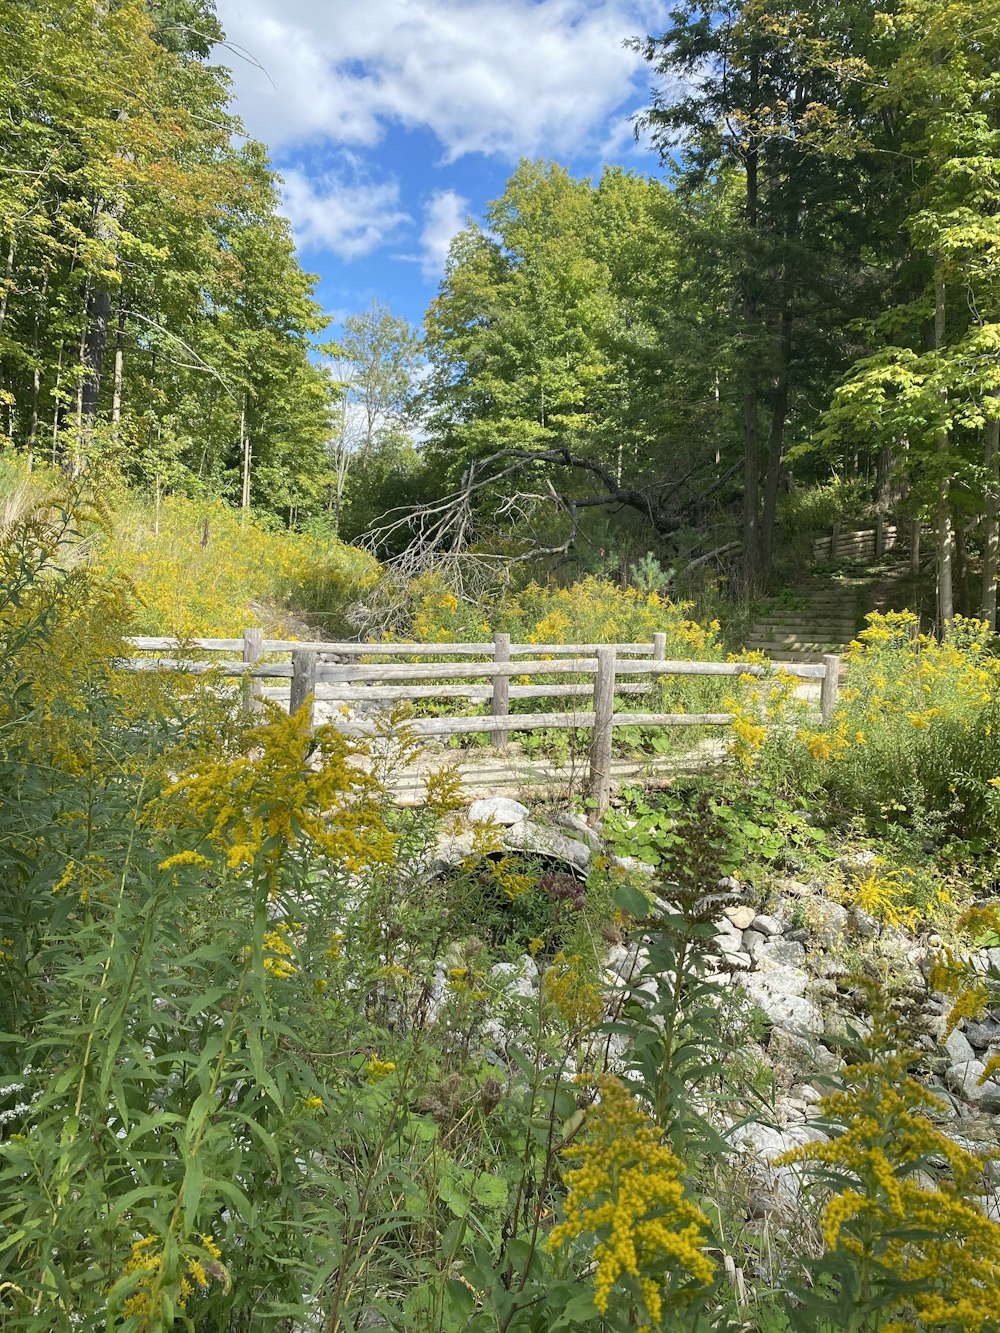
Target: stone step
(815, 625)
(792, 643)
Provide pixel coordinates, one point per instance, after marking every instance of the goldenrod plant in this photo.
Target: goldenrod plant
(906, 1247)
(915, 744)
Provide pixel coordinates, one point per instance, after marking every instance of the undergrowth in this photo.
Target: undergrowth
(265, 1061)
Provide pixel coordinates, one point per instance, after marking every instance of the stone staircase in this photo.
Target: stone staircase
(824, 612)
(803, 623)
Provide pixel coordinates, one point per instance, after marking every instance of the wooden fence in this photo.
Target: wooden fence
(865, 544)
(332, 671)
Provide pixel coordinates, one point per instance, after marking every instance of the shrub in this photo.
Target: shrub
(200, 568)
(916, 741)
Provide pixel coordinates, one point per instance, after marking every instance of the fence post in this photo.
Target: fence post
(879, 535)
(253, 651)
(829, 686)
(501, 687)
(303, 681)
(834, 540)
(600, 741)
(659, 647)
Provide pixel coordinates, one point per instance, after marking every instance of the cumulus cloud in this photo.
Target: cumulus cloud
(444, 217)
(520, 78)
(351, 219)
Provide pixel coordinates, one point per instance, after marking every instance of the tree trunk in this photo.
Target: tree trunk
(116, 393)
(751, 488)
(245, 451)
(775, 446)
(945, 530)
(55, 404)
(751, 423)
(7, 284)
(991, 537)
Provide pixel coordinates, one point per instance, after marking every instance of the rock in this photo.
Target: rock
(990, 1205)
(834, 968)
(626, 960)
(795, 887)
(738, 959)
(780, 993)
(822, 989)
(767, 925)
(828, 922)
(498, 810)
(766, 1141)
(530, 837)
(993, 958)
(855, 864)
(517, 978)
(567, 819)
(958, 1048)
(783, 953)
(810, 1095)
(451, 850)
(864, 925)
(983, 1034)
(839, 1027)
(729, 883)
(781, 1184)
(632, 866)
(753, 939)
(741, 917)
(963, 1079)
(800, 1055)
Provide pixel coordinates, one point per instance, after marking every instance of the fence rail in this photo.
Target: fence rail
(332, 671)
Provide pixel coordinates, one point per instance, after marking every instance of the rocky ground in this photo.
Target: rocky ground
(792, 954)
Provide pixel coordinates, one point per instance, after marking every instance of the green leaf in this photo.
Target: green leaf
(631, 900)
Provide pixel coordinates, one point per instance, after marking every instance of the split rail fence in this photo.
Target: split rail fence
(336, 672)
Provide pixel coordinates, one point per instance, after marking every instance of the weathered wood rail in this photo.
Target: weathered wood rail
(333, 672)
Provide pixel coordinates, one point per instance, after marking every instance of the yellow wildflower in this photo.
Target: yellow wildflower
(624, 1188)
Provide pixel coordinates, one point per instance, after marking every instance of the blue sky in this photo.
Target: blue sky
(392, 121)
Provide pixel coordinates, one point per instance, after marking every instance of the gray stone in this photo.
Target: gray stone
(958, 1047)
(855, 864)
(983, 1034)
(993, 958)
(737, 959)
(828, 921)
(781, 953)
(834, 968)
(810, 1095)
(822, 989)
(730, 883)
(497, 810)
(530, 837)
(450, 851)
(780, 993)
(741, 917)
(780, 1185)
(752, 939)
(846, 1027)
(767, 1141)
(800, 1055)
(767, 925)
(963, 1078)
(517, 978)
(626, 960)
(632, 866)
(578, 825)
(990, 1205)
(864, 925)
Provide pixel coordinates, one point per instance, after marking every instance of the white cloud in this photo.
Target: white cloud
(444, 217)
(522, 77)
(349, 219)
